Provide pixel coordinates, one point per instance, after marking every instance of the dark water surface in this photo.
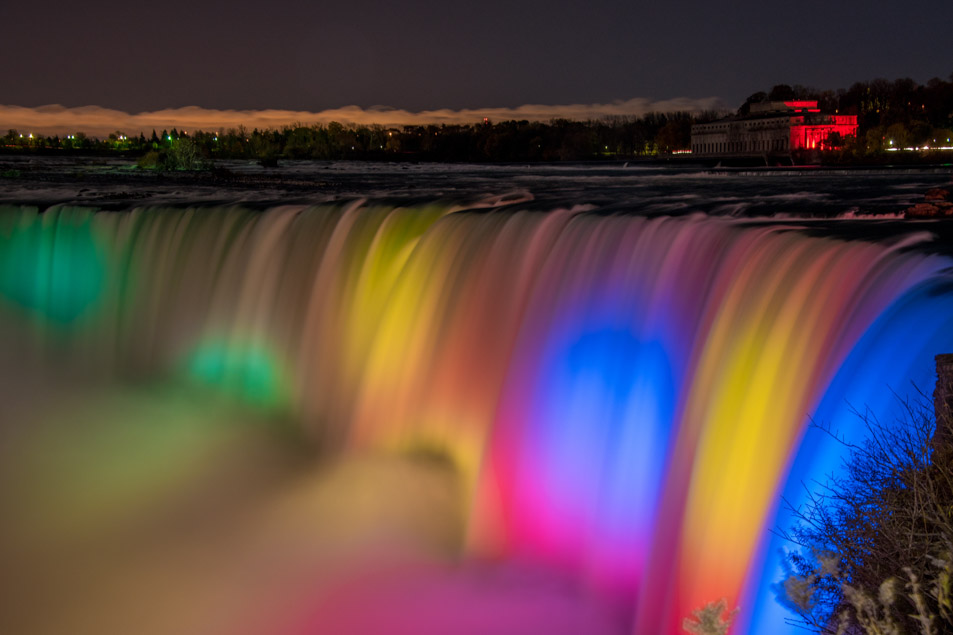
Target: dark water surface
(641, 189)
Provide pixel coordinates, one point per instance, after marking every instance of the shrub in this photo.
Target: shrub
(876, 543)
(183, 155)
(712, 619)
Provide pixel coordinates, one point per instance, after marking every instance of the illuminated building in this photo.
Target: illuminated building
(774, 127)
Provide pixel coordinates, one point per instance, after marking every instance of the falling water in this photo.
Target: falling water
(619, 401)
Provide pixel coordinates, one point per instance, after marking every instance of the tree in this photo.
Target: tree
(898, 136)
(876, 544)
(755, 98)
(781, 92)
(185, 155)
(675, 135)
(833, 141)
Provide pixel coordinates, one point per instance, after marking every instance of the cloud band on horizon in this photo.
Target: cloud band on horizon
(98, 121)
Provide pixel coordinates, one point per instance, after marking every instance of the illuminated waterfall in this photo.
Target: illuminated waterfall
(625, 399)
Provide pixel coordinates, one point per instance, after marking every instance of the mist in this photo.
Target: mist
(99, 121)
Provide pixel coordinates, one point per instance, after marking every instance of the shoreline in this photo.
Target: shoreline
(935, 159)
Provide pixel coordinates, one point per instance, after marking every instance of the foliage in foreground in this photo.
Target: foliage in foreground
(712, 619)
(876, 543)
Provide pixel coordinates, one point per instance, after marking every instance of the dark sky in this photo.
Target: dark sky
(423, 54)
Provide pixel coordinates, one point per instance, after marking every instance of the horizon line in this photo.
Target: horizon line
(99, 120)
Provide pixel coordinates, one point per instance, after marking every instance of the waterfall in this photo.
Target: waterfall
(625, 400)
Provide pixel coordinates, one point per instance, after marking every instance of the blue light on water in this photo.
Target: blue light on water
(606, 405)
(892, 362)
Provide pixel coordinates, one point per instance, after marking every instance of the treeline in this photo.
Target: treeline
(891, 115)
(556, 140)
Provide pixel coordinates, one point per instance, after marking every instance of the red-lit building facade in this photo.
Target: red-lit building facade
(774, 127)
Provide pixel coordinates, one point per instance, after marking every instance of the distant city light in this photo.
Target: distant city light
(919, 148)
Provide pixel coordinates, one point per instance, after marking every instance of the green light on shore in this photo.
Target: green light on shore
(51, 264)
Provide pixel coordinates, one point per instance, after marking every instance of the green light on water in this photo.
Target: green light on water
(248, 372)
(51, 264)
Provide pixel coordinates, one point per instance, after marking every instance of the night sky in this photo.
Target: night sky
(420, 54)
